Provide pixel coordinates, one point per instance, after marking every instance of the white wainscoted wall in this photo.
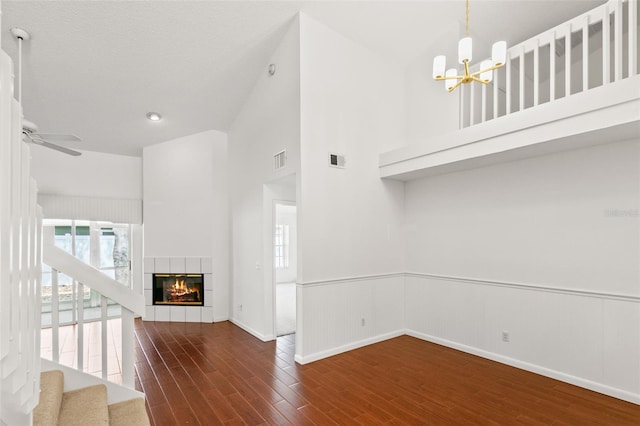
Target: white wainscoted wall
(545, 249)
(349, 313)
(350, 221)
(178, 265)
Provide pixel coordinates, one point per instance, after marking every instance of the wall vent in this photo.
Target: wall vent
(280, 160)
(337, 160)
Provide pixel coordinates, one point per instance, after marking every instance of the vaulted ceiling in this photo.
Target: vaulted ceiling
(95, 68)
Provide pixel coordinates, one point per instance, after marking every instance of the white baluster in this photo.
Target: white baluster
(606, 47)
(104, 342)
(617, 40)
(633, 37)
(585, 55)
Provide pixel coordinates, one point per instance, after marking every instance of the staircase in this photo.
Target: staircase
(84, 406)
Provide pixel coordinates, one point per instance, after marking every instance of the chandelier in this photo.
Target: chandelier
(451, 78)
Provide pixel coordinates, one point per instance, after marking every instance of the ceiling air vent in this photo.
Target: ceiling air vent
(280, 160)
(336, 160)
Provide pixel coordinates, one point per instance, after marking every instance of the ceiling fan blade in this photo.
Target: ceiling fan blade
(56, 147)
(57, 138)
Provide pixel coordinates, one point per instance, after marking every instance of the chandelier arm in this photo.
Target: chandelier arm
(453, 77)
(456, 85)
(495, 67)
(478, 80)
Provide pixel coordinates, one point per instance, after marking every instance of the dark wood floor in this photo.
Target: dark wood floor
(218, 374)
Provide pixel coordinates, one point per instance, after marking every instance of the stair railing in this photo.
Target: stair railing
(61, 262)
(594, 49)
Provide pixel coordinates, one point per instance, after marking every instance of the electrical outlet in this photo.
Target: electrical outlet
(505, 336)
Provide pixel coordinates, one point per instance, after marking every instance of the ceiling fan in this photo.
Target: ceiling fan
(29, 129)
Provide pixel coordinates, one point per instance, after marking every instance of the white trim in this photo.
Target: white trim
(254, 333)
(520, 286)
(554, 374)
(74, 379)
(351, 279)
(532, 287)
(348, 347)
(116, 210)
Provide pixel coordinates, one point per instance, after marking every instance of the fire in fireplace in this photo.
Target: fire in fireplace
(178, 289)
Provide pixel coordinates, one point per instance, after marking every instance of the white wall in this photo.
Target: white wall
(350, 221)
(186, 208)
(545, 248)
(92, 174)
(268, 122)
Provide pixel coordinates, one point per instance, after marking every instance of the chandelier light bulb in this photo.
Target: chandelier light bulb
(439, 64)
(499, 53)
(465, 48)
(448, 84)
(486, 76)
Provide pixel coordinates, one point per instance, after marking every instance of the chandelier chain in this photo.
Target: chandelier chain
(467, 19)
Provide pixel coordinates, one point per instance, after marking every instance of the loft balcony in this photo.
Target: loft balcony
(572, 86)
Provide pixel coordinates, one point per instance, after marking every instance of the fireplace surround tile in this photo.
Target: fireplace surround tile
(162, 265)
(206, 265)
(149, 313)
(178, 313)
(148, 281)
(208, 298)
(148, 297)
(193, 315)
(163, 313)
(194, 265)
(177, 265)
(208, 282)
(149, 265)
(207, 315)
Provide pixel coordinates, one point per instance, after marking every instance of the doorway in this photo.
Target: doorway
(285, 262)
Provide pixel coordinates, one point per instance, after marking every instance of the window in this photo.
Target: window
(281, 247)
(103, 245)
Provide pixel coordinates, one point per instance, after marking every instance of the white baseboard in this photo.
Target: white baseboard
(74, 379)
(263, 337)
(348, 347)
(584, 383)
(221, 319)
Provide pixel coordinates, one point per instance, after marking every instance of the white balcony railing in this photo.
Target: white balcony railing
(591, 50)
(109, 289)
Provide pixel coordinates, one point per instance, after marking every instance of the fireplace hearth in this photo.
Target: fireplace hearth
(178, 289)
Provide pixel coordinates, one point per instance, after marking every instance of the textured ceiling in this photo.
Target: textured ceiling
(95, 68)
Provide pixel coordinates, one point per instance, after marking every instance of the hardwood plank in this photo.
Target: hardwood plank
(218, 374)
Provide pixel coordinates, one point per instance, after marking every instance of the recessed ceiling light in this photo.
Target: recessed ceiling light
(154, 116)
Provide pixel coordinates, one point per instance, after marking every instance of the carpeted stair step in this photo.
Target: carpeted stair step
(128, 413)
(51, 390)
(86, 406)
